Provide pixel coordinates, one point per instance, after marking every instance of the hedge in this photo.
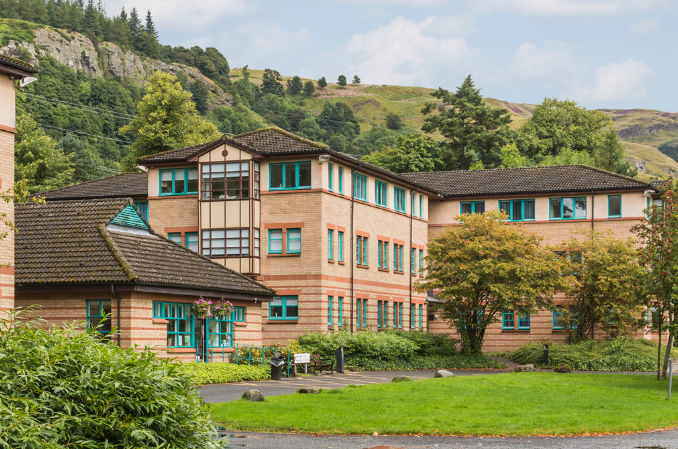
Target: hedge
(221, 373)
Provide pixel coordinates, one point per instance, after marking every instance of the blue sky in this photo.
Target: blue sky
(600, 53)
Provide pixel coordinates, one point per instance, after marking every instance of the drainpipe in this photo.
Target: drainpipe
(593, 216)
(352, 247)
(412, 251)
(118, 312)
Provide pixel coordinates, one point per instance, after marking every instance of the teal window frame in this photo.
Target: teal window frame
(176, 313)
(284, 314)
(340, 179)
(380, 193)
(330, 173)
(287, 166)
(238, 314)
(330, 244)
(357, 312)
(174, 171)
(340, 311)
(508, 320)
(523, 320)
(476, 207)
(558, 323)
(223, 338)
(191, 241)
(395, 315)
(385, 312)
(511, 210)
(421, 261)
(412, 316)
(175, 237)
(562, 201)
(293, 251)
(421, 311)
(142, 208)
(364, 312)
(94, 320)
(379, 253)
(421, 206)
(361, 251)
(271, 239)
(399, 199)
(329, 310)
(360, 187)
(609, 198)
(400, 316)
(340, 246)
(413, 260)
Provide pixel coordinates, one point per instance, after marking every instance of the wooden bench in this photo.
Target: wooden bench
(319, 364)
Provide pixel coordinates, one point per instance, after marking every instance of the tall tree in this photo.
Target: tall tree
(341, 80)
(473, 130)
(91, 23)
(309, 88)
(166, 119)
(356, 79)
(136, 29)
(412, 153)
(322, 83)
(294, 85)
(658, 255)
(87, 163)
(150, 26)
(482, 268)
(271, 83)
(123, 15)
(338, 118)
(37, 160)
(199, 96)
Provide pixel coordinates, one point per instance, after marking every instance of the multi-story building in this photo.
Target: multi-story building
(11, 70)
(342, 241)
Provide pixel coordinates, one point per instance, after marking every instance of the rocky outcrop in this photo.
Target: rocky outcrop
(77, 52)
(639, 130)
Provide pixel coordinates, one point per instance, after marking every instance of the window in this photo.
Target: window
(340, 245)
(192, 241)
(275, 241)
(412, 316)
(421, 310)
(385, 317)
(290, 176)
(294, 241)
(257, 241)
(397, 258)
(226, 181)
(382, 254)
(220, 332)
(175, 237)
(361, 250)
(213, 243)
(284, 308)
(179, 181)
(421, 208)
(381, 193)
(226, 242)
(180, 323)
(330, 172)
(329, 310)
(142, 206)
(359, 186)
(421, 262)
(364, 312)
(257, 180)
(238, 314)
(395, 315)
(340, 311)
(330, 244)
(559, 318)
(380, 305)
(508, 320)
(340, 179)
(413, 260)
(518, 210)
(357, 312)
(614, 207)
(523, 320)
(96, 311)
(399, 199)
(476, 207)
(400, 316)
(567, 208)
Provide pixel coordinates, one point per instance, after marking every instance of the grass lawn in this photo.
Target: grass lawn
(500, 404)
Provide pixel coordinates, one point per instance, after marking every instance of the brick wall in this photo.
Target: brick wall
(6, 244)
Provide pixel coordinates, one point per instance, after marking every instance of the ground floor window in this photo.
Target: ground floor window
(508, 320)
(412, 316)
(329, 310)
(523, 320)
(96, 311)
(180, 329)
(284, 308)
(357, 312)
(421, 310)
(220, 333)
(340, 305)
(379, 313)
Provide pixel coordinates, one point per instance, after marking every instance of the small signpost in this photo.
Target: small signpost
(303, 358)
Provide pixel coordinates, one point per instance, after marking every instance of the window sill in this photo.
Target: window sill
(222, 349)
(341, 262)
(285, 255)
(170, 349)
(240, 324)
(517, 331)
(398, 272)
(384, 270)
(295, 321)
(366, 267)
(330, 261)
(160, 321)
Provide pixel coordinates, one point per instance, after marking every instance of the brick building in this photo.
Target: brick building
(81, 260)
(11, 70)
(341, 241)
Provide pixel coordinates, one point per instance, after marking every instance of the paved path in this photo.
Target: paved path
(231, 392)
(649, 440)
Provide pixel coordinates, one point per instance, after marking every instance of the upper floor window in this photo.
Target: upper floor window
(421, 206)
(361, 250)
(179, 181)
(399, 199)
(257, 181)
(142, 206)
(360, 186)
(614, 206)
(518, 210)
(340, 245)
(330, 172)
(292, 237)
(473, 207)
(290, 176)
(340, 179)
(397, 258)
(330, 244)
(284, 308)
(567, 208)
(382, 254)
(188, 239)
(381, 194)
(226, 181)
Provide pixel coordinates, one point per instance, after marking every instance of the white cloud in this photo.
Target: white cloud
(553, 64)
(566, 7)
(406, 52)
(645, 26)
(616, 81)
(411, 3)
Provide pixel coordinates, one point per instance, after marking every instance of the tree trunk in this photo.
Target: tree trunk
(659, 350)
(667, 355)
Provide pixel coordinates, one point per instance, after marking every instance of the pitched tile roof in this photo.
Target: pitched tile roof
(504, 181)
(180, 154)
(23, 66)
(124, 185)
(74, 242)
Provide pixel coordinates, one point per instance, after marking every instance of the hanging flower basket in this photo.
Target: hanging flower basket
(222, 309)
(201, 308)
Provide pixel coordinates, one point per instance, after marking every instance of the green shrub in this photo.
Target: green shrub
(619, 354)
(426, 362)
(367, 344)
(221, 373)
(16, 30)
(429, 343)
(563, 368)
(65, 388)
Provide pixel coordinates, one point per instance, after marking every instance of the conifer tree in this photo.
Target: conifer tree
(123, 15)
(322, 83)
(309, 88)
(150, 26)
(135, 27)
(341, 80)
(356, 79)
(294, 85)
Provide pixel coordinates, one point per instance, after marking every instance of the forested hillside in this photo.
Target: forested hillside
(94, 67)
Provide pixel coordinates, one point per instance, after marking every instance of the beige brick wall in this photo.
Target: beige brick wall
(6, 244)
(171, 212)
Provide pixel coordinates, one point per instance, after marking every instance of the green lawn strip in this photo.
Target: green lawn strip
(503, 404)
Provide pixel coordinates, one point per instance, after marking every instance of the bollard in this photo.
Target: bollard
(546, 355)
(670, 376)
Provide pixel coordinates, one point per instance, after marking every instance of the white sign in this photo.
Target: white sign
(302, 358)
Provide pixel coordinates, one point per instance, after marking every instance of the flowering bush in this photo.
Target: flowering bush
(204, 308)
(201, 308)
(222, 309)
